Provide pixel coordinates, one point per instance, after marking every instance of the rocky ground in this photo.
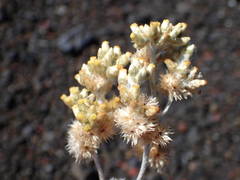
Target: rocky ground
(43, 44)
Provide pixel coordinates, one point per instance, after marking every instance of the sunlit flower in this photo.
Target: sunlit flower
(124, 91)
(100, 73)
(158, 34)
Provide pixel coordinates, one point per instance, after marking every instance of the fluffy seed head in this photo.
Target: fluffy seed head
(158, 157)
(133, 124)
(104, 129)
(80, 143)
(160, 136)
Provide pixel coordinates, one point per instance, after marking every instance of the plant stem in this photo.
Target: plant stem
(98, 167)
(144, 162)
(169, 103)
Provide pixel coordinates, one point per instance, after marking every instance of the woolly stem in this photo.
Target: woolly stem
(169, 103)
(144, 162)
(98, 167)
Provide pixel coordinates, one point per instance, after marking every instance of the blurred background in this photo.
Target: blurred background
(43, 44)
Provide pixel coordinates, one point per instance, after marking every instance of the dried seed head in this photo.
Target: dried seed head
(158, 157)
(104, 128)
(81, 144)
(160, 136)
(133, 124)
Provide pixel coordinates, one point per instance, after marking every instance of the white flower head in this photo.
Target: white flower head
(133, 125)
(80, 143)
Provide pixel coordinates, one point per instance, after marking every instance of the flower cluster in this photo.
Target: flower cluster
(161, 63)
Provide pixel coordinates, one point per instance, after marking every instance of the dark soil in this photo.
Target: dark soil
(43, 44)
